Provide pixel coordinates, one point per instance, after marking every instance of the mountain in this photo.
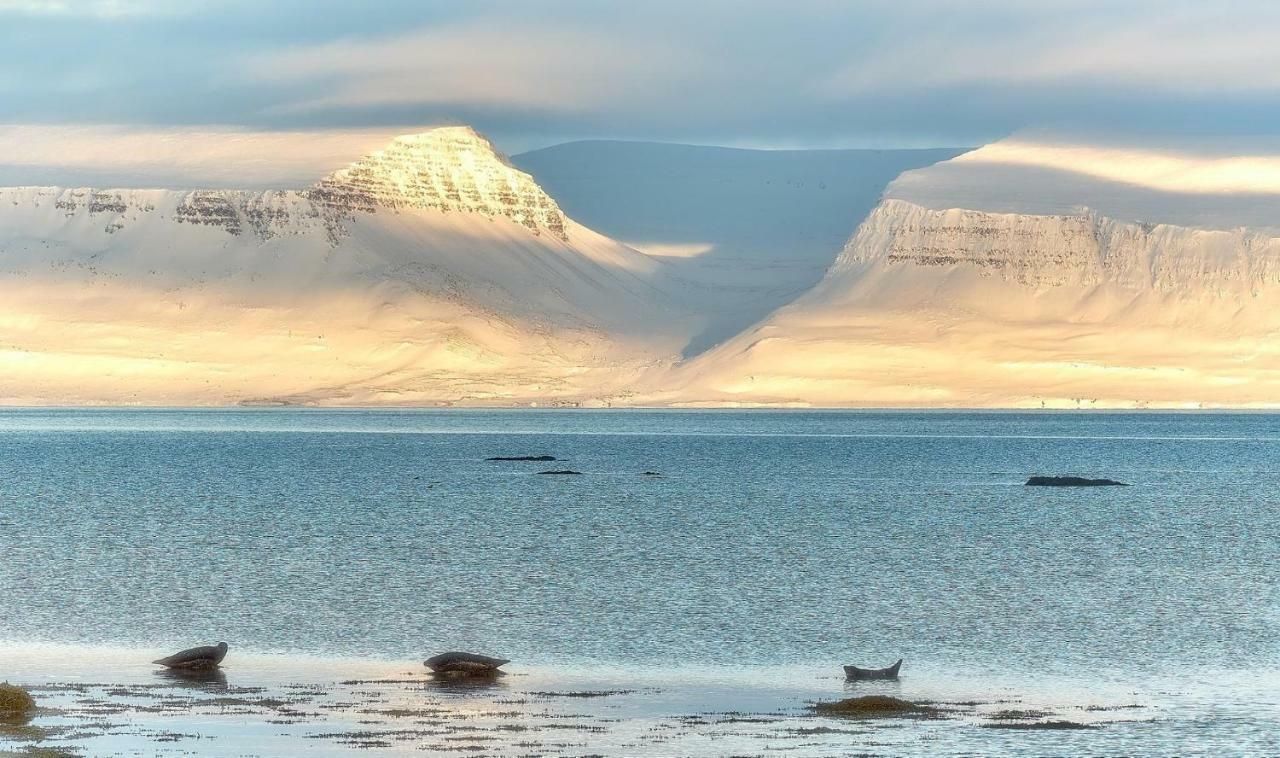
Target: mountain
(1032, 272)
(431, 271)
(751, 229)
(1035, 272)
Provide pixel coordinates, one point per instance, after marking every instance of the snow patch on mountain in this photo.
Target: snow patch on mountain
(432, 271)
(751, 230)
(1199, 185)
(1005, 278)
(428, 272)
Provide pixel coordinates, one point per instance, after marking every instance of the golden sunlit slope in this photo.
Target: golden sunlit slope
(1027, 275)
(1023, 274)
(428, 272)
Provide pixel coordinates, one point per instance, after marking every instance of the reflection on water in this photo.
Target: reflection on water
(465, 684)
(207, 679)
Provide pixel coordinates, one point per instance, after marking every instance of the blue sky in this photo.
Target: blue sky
(774, 74)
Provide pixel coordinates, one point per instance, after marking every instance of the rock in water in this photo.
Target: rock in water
(464, 664)
(203, 657)
(564, 472)
(539, 458)
(1071, 481)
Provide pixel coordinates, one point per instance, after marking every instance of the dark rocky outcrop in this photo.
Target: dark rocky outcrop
(1072, 481)
(873, 706)
(564, 472)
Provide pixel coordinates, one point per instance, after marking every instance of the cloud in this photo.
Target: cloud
(179, 157)
(1170, 47)
(92, 8)
(1166, 170)
(778, 73)
(478, 63)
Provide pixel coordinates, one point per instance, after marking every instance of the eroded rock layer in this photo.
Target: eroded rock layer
(1058, 250)
(447, 169)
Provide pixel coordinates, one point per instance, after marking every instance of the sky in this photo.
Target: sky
(530, 73)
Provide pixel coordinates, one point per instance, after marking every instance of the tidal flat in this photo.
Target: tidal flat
(281, 706)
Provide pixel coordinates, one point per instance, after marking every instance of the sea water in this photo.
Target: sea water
(769, 547)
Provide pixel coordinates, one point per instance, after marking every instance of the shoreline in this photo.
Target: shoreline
(520, 714)
(306, 705)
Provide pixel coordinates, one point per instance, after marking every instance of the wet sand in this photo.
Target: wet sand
(277, 706)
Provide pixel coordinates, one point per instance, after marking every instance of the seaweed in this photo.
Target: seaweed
(873, 706)
(1038, 725)
(16, 704)
(1014, 715)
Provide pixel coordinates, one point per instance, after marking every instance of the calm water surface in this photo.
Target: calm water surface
(807, 539)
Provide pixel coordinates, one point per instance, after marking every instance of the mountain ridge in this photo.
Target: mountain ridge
(436, 272)
(444, 276)
(959, 295)
(750, 229)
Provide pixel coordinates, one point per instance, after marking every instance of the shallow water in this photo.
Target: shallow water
(774, 547)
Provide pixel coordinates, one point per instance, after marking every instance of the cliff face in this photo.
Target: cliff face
(434, 272)
(84, 211)
(450, 169)
(447, 169)
(1081, 250)
(1002, 303)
